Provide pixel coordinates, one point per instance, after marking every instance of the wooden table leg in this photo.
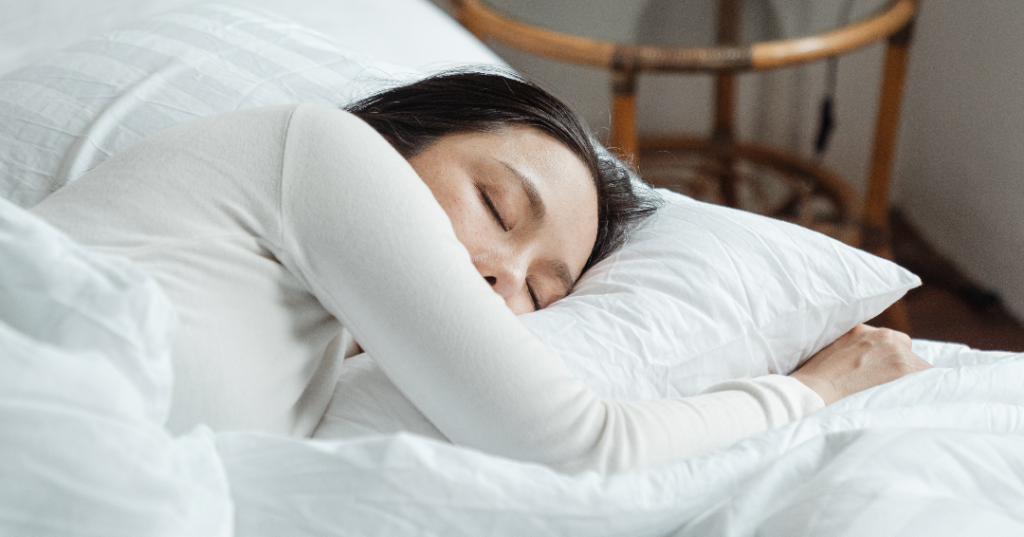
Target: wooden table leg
(876, 204)
(722, 133)
(623, 137)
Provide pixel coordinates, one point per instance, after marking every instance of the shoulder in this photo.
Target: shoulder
(326, 124)
(321, 114)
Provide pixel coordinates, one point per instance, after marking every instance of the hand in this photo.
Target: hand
(864, 357)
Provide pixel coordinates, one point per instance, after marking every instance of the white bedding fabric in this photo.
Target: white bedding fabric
(84, 378)
(414, 33)
(85, 387)
(934, 454)
(74, 109)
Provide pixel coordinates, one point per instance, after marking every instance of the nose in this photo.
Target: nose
(505, 274)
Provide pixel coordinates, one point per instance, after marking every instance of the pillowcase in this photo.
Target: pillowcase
(64, 115)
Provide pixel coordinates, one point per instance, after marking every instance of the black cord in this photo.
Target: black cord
(827, 118)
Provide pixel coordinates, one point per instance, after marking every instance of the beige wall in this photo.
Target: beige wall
(960, 171)
(961, 166)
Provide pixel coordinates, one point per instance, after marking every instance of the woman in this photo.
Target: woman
(285, 234)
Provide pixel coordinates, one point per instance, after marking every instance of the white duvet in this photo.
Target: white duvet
(84, 387)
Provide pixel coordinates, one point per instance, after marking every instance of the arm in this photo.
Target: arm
(369, 240)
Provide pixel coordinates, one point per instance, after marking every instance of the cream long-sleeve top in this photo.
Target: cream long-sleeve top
(282, 233)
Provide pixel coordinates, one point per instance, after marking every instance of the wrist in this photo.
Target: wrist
(824, 388)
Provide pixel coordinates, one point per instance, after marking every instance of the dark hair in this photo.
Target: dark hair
(414, 116)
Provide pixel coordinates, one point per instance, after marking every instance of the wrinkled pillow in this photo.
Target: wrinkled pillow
(703, 293)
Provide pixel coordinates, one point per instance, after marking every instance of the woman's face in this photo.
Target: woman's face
(522, 204)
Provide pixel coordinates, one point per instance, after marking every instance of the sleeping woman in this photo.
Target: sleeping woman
(417, 223)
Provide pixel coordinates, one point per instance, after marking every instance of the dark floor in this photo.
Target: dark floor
(949, 307)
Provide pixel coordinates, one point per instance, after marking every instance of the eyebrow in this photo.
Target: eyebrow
(561, 271)
(537, 207)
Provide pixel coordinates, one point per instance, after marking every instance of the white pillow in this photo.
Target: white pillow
(67, 113)
(704, 293)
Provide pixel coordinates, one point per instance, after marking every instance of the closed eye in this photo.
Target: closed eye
(490, 206)
(533, 297)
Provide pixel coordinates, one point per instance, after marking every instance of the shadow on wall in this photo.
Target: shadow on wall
(949, 306)
(960, 175)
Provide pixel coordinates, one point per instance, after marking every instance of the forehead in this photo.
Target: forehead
(556, 168)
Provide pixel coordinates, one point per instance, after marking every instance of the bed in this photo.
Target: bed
(701, 294)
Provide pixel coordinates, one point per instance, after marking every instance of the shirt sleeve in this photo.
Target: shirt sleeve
(366, 236)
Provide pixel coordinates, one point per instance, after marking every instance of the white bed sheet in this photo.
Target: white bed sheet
(412, 33)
